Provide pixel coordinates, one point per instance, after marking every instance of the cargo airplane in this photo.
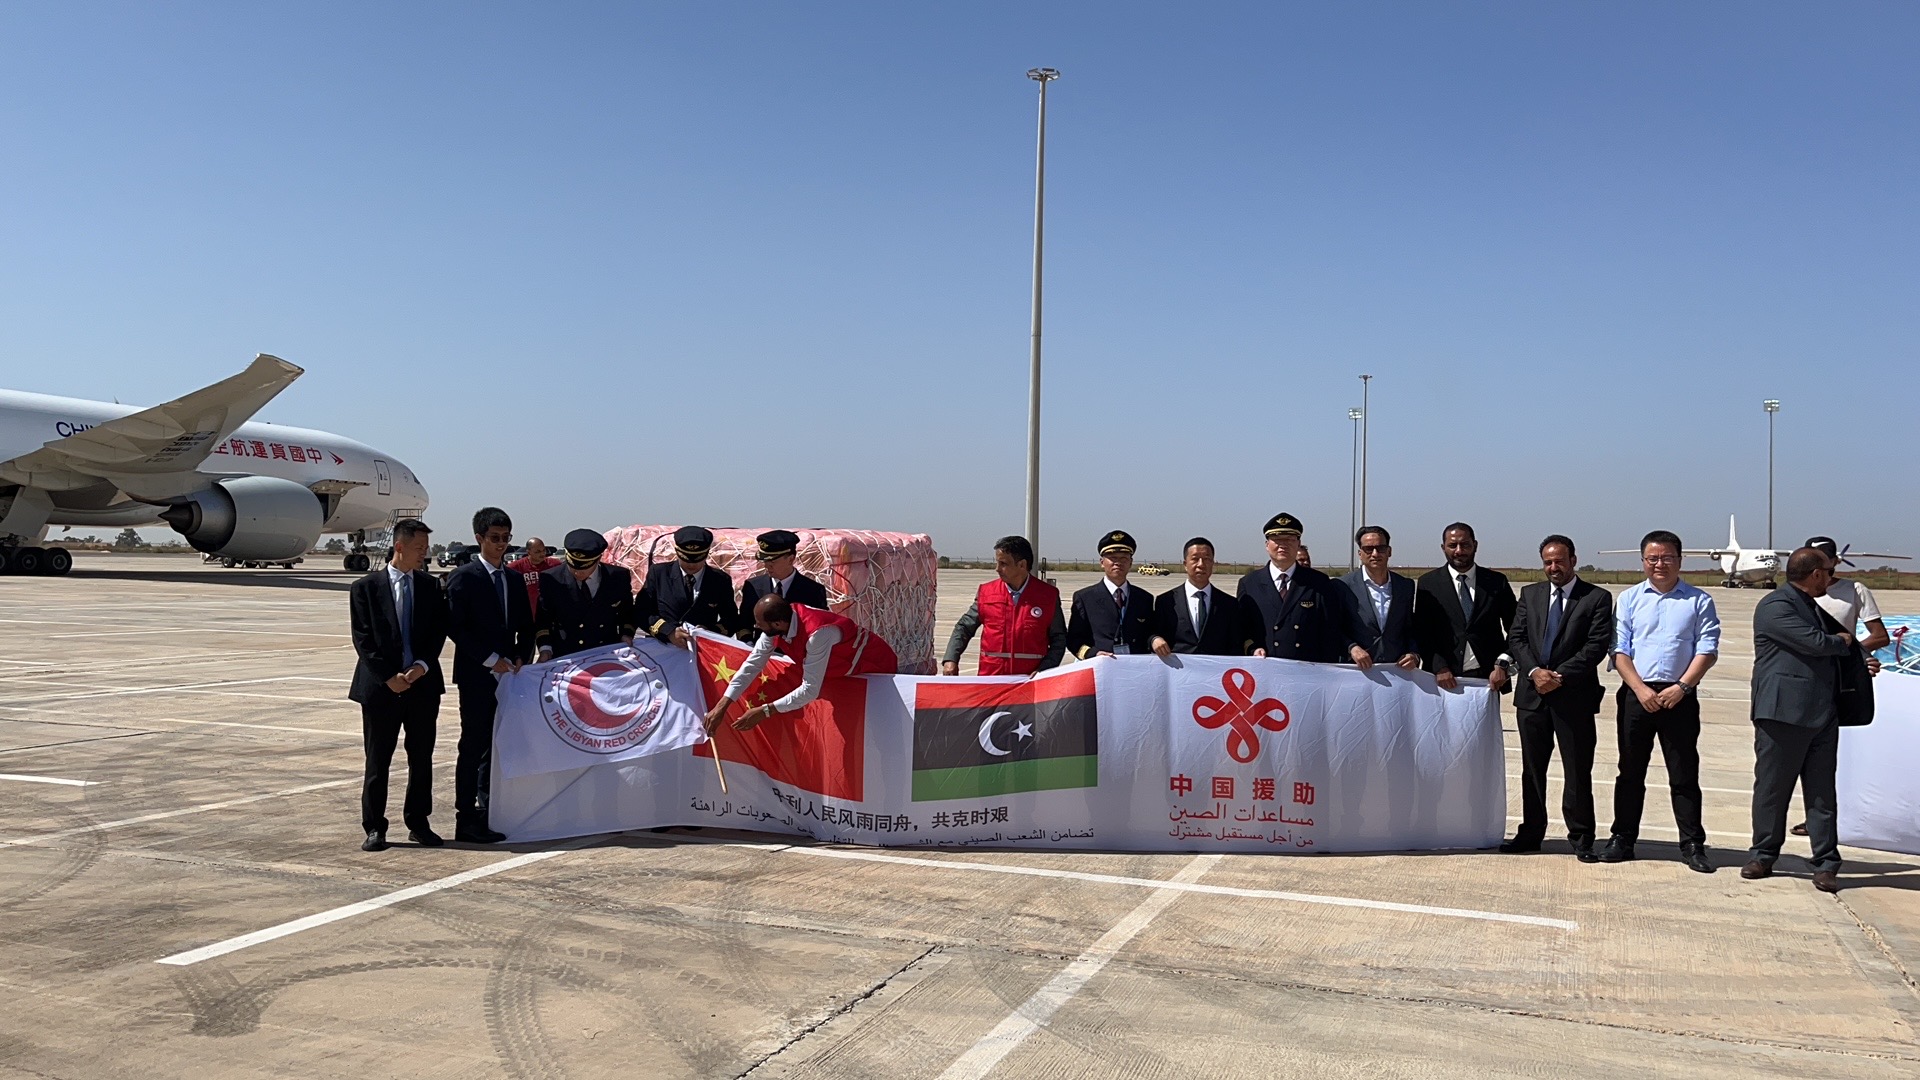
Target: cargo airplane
(1755, 566)
(237, 490)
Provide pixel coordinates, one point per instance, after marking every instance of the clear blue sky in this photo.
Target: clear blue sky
(606, 264)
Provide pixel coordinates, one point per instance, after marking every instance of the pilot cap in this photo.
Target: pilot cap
(584, 548)
(776, 543)
(1283, 524)
(691, 542)
(1117, 540)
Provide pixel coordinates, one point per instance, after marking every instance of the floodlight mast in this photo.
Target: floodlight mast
(1043, 76)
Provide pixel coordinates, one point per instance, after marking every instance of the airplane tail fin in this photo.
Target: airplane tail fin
(1733, 536)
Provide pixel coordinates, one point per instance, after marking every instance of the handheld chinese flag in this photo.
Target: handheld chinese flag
(821, 748)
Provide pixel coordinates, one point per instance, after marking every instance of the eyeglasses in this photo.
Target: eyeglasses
(1660, 560)
(1372, 549)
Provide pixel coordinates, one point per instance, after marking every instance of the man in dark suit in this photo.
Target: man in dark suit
(1115, 616)
(584, 603)
(1462, 613)
(1562, 631)
(1288, 610)
(491, 624)
(1796, 722)
(777, 549)
(1195, 617)
(399, 623)
(1379, 606)
(688, 592)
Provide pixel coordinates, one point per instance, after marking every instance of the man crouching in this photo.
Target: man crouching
(821, 642)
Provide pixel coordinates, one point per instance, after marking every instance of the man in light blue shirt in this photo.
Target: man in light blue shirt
(1666, 636)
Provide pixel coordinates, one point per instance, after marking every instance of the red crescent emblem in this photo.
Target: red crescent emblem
(1241, 714)
(580, 697)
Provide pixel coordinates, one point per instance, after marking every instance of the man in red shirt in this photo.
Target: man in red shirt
(530, 566)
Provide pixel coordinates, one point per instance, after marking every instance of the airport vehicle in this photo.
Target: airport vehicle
(1150, 570)
(243, 491)
(1755, 566)
(457, 555)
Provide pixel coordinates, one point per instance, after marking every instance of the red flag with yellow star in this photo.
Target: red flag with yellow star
(821, 748)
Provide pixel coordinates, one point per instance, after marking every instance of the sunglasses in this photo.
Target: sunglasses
(1372, 549)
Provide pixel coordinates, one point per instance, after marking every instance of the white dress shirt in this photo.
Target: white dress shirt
(394, 578)
(813, 671)
(1467, 659)
(494, 570)
(1120, 647)
(1193, 604)
(1381, 593)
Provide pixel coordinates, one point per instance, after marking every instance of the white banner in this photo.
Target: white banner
(1879, 800)
(604, 705)
(1131, 753)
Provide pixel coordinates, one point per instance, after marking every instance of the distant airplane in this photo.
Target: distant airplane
(242, 491)
(1755, 566)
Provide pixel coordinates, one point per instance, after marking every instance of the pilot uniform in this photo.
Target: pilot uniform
(672, 597)
(578, 615)
(1111, 618)
(1295, 615)
(797, 587)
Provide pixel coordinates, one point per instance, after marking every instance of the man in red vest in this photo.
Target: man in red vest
(822, 643)
(1018, 616)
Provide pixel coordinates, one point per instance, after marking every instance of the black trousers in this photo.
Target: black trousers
(381, 722)
(1783, 753)
(473, 764)
(1678, 730)
(1574, 728)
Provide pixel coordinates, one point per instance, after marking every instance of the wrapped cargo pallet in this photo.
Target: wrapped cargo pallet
(885, 581)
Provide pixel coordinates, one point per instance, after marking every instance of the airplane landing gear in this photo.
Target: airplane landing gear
(42, 562)
(357, 560)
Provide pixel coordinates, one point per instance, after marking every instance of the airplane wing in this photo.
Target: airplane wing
(1875, 555)
(169, 438)
(1710, 553)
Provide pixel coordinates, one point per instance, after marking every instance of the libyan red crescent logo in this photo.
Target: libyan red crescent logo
(606, 706)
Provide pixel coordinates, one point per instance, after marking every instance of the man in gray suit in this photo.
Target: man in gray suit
(1796, 719)
(1380, 607)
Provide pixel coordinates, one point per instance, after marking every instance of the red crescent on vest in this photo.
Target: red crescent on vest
(580, 697)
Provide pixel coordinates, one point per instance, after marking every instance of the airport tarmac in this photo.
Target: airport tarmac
(180, 768)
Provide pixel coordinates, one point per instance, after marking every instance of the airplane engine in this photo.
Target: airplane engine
(249, 517)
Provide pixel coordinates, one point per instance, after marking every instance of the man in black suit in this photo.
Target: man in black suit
(1288, 610)
(1462, 613)
(688, 592)
(399, 624)
(1115, 616)
(491, 623)
(584, 603)
(1379, 606)
(777, 549)
(1796, 720)
(1195, 617)
(1562, 631)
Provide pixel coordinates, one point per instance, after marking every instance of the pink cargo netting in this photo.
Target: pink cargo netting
(885, 581)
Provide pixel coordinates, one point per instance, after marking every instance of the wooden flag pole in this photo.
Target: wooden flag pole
(714, 745)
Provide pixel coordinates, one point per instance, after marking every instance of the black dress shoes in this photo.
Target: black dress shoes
(375, 841)
(1585, 853)
(477, 834)
(425, 837)
(1519, 845)
(1694, 854)
(1756, 870)
(1618, 850)
(1826, 881)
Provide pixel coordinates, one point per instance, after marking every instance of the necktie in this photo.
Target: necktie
(406, 621)
(500, 587)
(1466, 599)
(779, 588)
(1200, 624)
(693, 587)
(1553, 622)
(1285, 580)
(1120, 600)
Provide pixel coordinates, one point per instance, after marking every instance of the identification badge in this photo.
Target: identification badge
(1035, 612)
(1306, 603)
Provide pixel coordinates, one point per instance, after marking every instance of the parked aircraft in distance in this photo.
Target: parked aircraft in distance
(244, 491)
(1755, 566)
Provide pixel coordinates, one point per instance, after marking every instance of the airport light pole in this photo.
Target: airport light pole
(1043, 76)
(1772, 407)
(1353, 494)
(1366, 419)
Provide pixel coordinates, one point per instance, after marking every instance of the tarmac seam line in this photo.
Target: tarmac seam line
(842, 1010)
(1178, 885)
(1038, 1010)
(1880, 943)
(164, 814)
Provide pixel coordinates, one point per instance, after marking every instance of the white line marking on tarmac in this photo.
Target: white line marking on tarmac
(1035, 1012)
(1219, 890)
(22, 778)
(354, 735)
(1660, 828)
(128, 691)
(163, 814)
(196, 630)
(348, 911)
(1615, 783)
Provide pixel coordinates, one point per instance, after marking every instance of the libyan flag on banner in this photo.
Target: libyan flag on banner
(821, 748)
(977, 739)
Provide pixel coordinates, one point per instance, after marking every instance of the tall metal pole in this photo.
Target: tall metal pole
(1366, 420)
(1772, 407)
(1353, 495)
(1043, 76)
